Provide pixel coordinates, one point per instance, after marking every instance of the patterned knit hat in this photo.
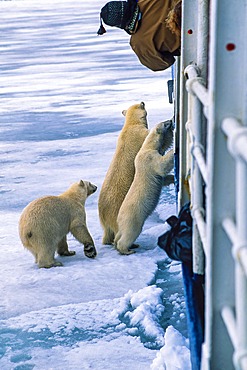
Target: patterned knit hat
(121, 14)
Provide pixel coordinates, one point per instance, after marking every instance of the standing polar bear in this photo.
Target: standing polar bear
(46, 221)
(152, 169)
(121, 170)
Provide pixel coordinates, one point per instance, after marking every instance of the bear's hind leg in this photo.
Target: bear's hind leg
(33, 250)
(123, 243)
(126, 236)
(108, 237)
(45, 258)
(63, 249)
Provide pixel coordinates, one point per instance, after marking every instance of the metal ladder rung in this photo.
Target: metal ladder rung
(237, 137)
(198, 154)
(239, 250)
(201, 225)
(197, 151)
(230, 322)
(240, 354)
(195, 85)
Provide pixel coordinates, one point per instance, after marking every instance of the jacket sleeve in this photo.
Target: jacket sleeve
(154, 43)
(152, 59)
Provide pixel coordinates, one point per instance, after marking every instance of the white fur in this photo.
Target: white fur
(121, 172)
(152, 169)
(46, 221)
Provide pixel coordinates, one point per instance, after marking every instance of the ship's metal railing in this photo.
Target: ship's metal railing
(236, 322)
(211, 138)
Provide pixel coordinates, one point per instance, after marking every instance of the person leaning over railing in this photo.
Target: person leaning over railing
(154, 26)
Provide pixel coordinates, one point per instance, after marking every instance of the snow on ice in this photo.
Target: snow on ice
(62, 92)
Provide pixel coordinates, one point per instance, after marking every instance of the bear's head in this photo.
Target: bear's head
(160, 137)
(80, 190)
(136, 115)
(91, 188)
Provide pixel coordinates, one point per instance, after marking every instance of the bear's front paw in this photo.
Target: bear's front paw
(90, 251)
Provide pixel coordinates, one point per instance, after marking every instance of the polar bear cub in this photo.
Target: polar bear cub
(151, 173)
(46, 221)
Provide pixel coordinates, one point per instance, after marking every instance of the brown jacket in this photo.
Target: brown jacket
(154, 43)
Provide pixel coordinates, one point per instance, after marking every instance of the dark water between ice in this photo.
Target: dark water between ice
(18, 343)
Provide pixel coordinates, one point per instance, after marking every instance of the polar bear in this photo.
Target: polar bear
(151, 172)
(46, 221)
(121, 170)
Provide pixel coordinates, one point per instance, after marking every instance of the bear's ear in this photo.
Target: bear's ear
(124, 112)
(81, 183)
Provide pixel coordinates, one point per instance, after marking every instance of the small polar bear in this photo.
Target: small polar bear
(121, 171)
(45, 222)
(152, 169)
